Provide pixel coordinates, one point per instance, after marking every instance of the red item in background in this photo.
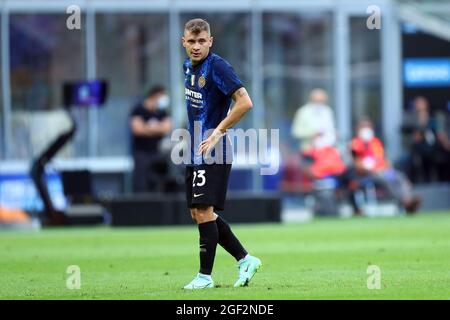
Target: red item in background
(372, 150)
(326, 162)
(13, 216)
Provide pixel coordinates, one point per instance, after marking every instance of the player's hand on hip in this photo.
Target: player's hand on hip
(207, 145)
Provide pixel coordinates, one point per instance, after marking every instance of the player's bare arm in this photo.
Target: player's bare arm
(242, 104)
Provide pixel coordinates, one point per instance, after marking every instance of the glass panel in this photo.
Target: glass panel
(133, 60)
(44, 54)
(365, 72)
(298, 57)
(232, 41)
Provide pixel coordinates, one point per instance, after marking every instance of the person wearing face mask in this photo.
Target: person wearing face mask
(369, 162)
(149, 124)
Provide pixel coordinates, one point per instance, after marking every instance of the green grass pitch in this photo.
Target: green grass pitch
(321, 259)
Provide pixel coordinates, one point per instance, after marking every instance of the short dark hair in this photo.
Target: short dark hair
(195, 26)
(155, 90)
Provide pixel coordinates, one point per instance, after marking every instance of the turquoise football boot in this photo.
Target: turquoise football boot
(247, 269)
(201, 281)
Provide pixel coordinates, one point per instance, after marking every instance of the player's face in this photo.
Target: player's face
(197, 45)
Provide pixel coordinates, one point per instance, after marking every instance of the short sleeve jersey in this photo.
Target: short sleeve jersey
(209, 86)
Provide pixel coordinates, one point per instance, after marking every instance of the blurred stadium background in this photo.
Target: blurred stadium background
(281, 50)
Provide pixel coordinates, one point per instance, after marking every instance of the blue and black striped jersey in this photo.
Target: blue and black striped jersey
(209, 86)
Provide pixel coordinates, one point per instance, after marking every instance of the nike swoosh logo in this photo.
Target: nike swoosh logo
(246, 269)
(198, 195)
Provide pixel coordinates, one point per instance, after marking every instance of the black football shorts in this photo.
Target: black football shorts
(207, 184)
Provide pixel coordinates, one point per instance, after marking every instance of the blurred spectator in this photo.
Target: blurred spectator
(313, 123)
(149, 123)
(369, 162)
(320, 163)
(428, 143)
